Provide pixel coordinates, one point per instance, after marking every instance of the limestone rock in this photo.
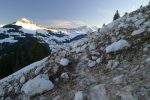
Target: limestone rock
(37, 85)
(98, 92)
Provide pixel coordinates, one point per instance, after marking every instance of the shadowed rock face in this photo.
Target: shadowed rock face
(15, 56)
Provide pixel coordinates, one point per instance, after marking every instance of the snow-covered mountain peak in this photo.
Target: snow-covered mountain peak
(24, 19)
(27, 24)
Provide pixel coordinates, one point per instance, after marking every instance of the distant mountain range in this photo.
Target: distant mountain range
(23, 42)
(23, 27)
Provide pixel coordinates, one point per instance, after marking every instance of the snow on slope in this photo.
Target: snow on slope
(26, 24)
(8, 40)
(29, 25)
(54, 37)
(1, 25)
(22, 71)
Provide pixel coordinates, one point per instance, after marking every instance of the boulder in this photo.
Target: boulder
(78, 95)
(64, 62)
(98, 92)
(37, 85)
(22, 79)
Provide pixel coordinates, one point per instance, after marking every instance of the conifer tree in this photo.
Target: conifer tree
(117, 15)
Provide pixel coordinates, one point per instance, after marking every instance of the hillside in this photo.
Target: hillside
(112, 64)
(24, 42)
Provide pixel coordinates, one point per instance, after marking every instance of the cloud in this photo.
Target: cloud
(64, 23)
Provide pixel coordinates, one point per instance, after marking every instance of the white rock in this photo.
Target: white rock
(7, 98)
(98, 92)
(92, 46)
(138, 22)
(55, 69)
(83, 47)
(78, 50)
(44, 76)
(118, 79)
(64, 75)
(112, 64)
(99, 60)
(147, 24)
(16, 89)
(149, 30)
(95, 53)
(57, 80)
(24, 97)
(94, 57)
(133, 19)
(56, 98)
(147, 60)
(10, 89)
(145, 49)
(22, 79)
(127, 88)
(2, 92)
(126, 96)
(78, 95)
(37, 85)
(102, 48)
(38, 70)
(137, 32)
(92, 63)
(116, 46)
(2, 98)
(42, 98)
(85, 57)
(64, 62)
(121, 25)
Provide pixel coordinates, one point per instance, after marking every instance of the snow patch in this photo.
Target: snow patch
(8, 40)
(24, 70)
(28, 26)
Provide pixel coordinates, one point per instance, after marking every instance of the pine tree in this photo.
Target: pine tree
(117, 15)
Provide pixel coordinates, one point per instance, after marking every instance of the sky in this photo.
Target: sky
(66, 13)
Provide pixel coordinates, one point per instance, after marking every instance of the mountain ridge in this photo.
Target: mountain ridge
(16, 37)
(112, 64)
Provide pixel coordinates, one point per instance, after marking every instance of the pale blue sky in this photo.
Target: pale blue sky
(66, 12)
